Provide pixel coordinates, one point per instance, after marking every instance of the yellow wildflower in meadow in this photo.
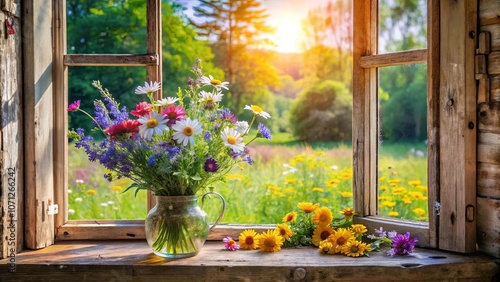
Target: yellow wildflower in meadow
(332, 182)
(419, 211)
(393, 214)
(348, 213)
(346, 194)
(318, 189)
(91, 192)
(307, 207)
(414, 182)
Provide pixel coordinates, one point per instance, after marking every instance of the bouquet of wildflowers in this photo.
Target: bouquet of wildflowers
(172, 146)
(175, 146)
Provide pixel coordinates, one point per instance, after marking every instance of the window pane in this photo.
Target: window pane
(106, 27)
(402, 153)
(91, 196)
(402, 25)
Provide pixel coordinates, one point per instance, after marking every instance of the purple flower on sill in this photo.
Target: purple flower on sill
(75, 106)
(211, 165)
(402, 244)
(230, 244)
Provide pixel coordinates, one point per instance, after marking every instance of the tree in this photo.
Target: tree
(237, 30)
(323, 113)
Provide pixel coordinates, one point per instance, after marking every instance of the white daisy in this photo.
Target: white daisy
(210, 97)
(166, 101)
(153, 123)
(233, 139)
(185, 131)
(241, 126)
(214, 82)
(148, 88)
(257, 111)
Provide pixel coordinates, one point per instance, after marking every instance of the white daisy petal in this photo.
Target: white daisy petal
(148, 88)
(185, 131)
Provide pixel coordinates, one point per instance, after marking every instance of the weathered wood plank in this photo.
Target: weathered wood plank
(11, 154)
(488, 226)
(488, 117)
(110, 60)
(494, 88)
(487, 153)
(393, 59)
(38, 114)
(494, 30)
(457, 113)
(134, 261)
(489, 12)
(488, 180)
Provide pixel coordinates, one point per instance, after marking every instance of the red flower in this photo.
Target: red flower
(173, 113)
(126, 126)
(142, 109)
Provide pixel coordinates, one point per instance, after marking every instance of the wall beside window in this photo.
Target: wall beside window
(488, 148)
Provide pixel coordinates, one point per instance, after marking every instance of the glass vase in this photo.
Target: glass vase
(176, 227)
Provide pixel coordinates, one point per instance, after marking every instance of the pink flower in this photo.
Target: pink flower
(173, 114)
(230, 244)
(142, 109)
(75, 106)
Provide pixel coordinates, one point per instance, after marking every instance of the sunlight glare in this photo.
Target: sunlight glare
(288, 36)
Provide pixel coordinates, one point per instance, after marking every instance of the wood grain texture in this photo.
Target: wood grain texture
(38, 114)
(489, 12)
(494, 30)
(11, 132)
(111, 60)
(457, 112)
(134, 261)
(488, 226)
(393, 59)
(488, 180)
(494, 88)
(488, 117)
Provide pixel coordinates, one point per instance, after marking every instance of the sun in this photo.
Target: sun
(288, 36)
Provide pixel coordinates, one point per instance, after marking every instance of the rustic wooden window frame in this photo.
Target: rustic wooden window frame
(451, 105)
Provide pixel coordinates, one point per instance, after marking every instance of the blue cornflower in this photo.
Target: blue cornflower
(264, 132)
(207, 136)
(101, 117)
(152, 160)
(227, 115)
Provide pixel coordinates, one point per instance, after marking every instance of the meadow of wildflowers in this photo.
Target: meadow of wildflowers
(280, 177)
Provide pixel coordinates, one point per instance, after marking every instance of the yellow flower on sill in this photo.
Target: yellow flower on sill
(284, 230)
(322, 216)
(326, 247)
(358, 229)
(307, 207)
(346, 194)
(355, 248)
(340, 238)
(348, 213)
(393, 214)
(270, 241)
(289, 217)
(249, 239)
(322, 233)
(91, 192)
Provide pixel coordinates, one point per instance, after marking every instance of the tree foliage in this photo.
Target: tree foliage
(323, 112)
(237, 30)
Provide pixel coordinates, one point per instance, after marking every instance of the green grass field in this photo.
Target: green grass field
(284, 173)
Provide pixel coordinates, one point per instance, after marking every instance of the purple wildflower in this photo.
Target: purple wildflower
(264, 132)
(380, 232)
(227, 115)
(116, 115)
(211, 165)
(101, 116)
(402, 244)
(75, 106)
(230, 244)
(207, 136)
(152, 160)
(392, 234)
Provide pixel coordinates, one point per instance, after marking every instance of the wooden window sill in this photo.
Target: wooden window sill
(133, 261)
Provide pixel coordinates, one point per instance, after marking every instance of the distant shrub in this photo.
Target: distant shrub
(323, 112)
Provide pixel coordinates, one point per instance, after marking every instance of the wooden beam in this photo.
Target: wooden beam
(394, 59)
(110, 60)
(457, 122)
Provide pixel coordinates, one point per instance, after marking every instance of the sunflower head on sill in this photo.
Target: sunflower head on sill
(313, 225)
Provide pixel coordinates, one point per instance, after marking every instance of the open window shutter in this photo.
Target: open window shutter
(38, 120)
(457, 126)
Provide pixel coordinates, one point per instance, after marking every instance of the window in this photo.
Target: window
(451, 119)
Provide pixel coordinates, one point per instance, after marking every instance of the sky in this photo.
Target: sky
(285, 16)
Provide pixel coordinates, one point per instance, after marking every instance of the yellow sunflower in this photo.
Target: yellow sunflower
(325, 247)
(322, 216)
(307, 207)
(321, 233)
(248, 239)
(358, 229)
(284, 230)
(355, 248)
(270, 241)
(348, 213)
(340, 238)
(289, 217)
